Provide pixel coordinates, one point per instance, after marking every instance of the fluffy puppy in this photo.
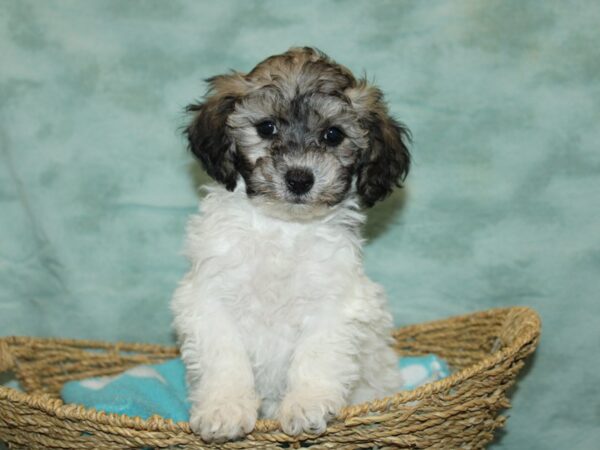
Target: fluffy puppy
(276, 317)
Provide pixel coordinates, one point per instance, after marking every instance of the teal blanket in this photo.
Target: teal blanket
(146, 390)
(501, 207)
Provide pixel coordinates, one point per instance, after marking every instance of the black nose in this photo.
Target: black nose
(299, 181)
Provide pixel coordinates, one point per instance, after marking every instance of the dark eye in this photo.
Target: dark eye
(333, 136)
(266, 129)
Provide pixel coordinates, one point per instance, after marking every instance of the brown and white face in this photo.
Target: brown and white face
(301, 131)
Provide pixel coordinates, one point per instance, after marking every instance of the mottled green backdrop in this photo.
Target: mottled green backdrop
(501, 208)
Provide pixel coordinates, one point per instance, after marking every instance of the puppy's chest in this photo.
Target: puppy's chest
(285, 273)
(277, 278)
(288, 278)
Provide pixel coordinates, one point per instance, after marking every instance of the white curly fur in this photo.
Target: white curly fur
(277, 319)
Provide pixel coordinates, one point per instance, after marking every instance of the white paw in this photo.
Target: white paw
(305, 412)
(224, 420)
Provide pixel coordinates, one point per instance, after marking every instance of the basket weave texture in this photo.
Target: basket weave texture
(486, 350)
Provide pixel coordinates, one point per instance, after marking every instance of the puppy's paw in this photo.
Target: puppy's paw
(306, 412)
(220, 420)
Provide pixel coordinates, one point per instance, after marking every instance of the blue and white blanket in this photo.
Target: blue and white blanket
(160, 389)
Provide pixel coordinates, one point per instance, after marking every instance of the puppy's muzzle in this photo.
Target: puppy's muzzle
(299, 181)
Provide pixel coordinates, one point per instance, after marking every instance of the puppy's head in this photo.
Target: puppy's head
(301, 131)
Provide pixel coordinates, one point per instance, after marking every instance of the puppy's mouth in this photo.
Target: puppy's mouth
(298, 199)
(299, 181)
(291, 184)
(311, 182)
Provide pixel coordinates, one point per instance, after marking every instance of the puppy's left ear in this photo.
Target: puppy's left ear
(385, 164)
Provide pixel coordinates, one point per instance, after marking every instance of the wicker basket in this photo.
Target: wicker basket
(485, 349)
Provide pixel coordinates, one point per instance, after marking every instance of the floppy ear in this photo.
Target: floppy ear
(207, 134)
(386, 162)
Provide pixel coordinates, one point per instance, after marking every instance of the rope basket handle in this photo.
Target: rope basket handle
(7, 361)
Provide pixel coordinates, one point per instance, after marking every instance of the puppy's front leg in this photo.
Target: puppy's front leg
(220, 377)
(320, 378)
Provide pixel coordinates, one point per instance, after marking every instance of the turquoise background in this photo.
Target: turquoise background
(501, 208)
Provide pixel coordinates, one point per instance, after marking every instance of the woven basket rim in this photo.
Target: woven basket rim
(529, 330)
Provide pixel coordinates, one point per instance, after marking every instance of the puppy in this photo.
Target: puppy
(276, 317)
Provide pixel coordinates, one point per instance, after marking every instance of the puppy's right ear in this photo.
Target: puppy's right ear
(207, 134)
